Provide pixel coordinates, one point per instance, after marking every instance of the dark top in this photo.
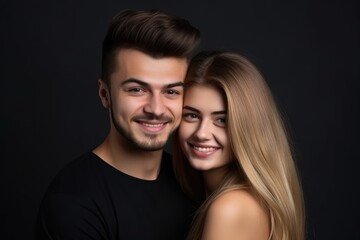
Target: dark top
(90, 199)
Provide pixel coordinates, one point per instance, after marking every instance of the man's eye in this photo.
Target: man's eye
(172, 92)
(136, 90)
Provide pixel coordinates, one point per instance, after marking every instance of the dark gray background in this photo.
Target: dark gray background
(50, 111)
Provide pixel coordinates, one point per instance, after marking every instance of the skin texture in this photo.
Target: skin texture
(144, 102)
(235, 214)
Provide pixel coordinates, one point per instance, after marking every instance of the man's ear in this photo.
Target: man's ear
(104, 93)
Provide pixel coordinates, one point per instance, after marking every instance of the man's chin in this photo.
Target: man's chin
(150, 143)
(150, 147)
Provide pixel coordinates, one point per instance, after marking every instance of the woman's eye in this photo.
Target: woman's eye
(190, 116)
(221, 122)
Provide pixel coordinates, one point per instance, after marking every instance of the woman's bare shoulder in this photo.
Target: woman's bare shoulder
(236, 215)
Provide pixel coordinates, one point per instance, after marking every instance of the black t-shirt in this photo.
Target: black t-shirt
(90, 199)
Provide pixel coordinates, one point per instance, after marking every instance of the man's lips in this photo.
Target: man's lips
(152, 120)
(152, 126)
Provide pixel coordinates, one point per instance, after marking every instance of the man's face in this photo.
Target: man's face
(146, 98)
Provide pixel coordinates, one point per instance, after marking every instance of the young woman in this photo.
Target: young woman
(235, 158)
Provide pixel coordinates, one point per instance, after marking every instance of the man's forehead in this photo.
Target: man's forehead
(133, 64)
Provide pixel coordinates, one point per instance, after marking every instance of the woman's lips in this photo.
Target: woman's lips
(203, 151)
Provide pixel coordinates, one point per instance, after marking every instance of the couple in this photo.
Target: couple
(234, 173)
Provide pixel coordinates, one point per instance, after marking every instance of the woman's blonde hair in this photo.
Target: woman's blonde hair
(263, 162)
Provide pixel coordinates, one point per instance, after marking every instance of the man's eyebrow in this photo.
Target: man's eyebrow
(198, 111)
(134, 80)
(177, 84)
(142, 83)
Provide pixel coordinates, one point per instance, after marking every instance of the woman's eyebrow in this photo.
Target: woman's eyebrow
(218, 112)
(198, 111)
(191, 109)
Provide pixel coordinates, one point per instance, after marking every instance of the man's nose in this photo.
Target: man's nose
(155, 105)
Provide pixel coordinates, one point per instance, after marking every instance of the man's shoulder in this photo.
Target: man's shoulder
(70, 206)
(79, 165)
(76, 175)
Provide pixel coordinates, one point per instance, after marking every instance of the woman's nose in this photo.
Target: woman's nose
(204, 131)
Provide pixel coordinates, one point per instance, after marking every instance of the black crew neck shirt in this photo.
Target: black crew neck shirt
(90, 199)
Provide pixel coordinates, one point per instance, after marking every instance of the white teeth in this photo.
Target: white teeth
(152, 125)
(205, 149)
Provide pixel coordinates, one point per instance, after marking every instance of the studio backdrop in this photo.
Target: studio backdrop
(308, 52)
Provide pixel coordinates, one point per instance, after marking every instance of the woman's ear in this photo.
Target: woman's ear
(104, 94)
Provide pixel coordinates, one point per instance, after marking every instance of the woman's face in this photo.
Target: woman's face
(202, 133)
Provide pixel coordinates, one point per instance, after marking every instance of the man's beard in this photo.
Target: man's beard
(150, 144)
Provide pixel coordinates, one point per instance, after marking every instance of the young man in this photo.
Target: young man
(125, 188)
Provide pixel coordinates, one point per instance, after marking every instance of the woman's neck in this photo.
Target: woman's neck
(213, 178)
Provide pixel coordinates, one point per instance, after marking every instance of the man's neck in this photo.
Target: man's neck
(129, 160)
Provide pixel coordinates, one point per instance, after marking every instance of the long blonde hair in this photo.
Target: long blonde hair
(263, 159)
